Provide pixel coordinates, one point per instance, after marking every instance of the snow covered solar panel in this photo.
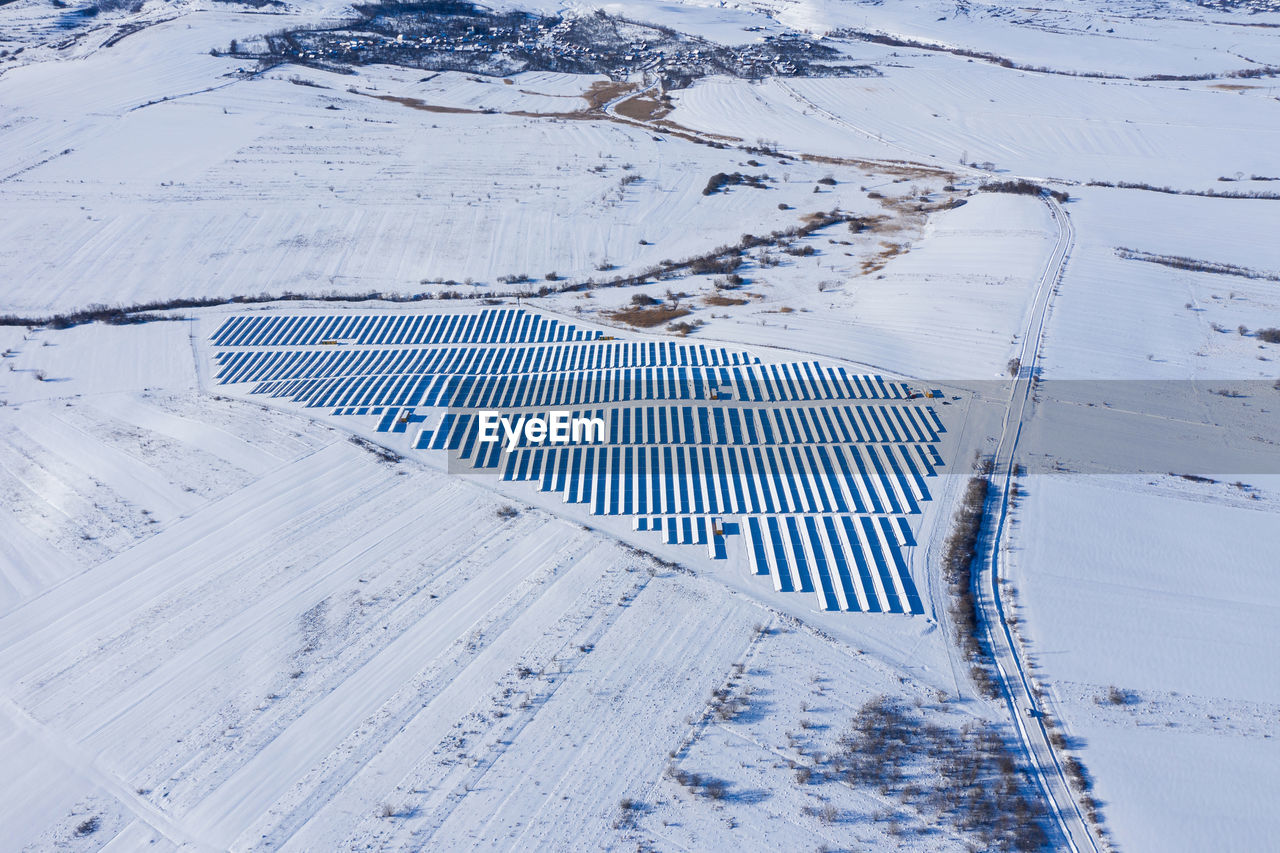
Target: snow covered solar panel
(822, 467)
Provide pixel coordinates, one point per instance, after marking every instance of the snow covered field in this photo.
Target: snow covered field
(1176, 607)
(225, 625)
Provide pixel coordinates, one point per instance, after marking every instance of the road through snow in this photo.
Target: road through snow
(1011, 672)
(1010, 668)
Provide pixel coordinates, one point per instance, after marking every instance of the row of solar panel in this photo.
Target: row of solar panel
(881, 479)
(829, 423)
(751, 383)
(506, 325)
(849, 563)
(260, 365)
(673, 466)
(677, 529)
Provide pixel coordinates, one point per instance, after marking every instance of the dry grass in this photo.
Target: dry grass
(647, 318)
(604, 91)
(865, 224)
(901, 168)
(717, 300)
(702, 137)
(888, 252)
(417, 104)
(644, 108)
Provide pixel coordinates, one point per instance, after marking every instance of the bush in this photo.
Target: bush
(720, 180)
(958, 555)
(715, 265)
(1180, 262)
(1271, 336)
(1022, 187)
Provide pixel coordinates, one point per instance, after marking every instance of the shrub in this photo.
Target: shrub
(720, 180)
(715, 265)
(1023, 187)
(1180, 262)
(1077, 774)
(958, 555)
(1271, 336)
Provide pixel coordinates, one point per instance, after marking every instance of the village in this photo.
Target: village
(463, 38)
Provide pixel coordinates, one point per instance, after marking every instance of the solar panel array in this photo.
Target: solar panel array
(815, 467)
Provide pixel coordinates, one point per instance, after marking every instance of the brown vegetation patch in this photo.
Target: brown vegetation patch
(647, 318)
(888, 251)
(644, 108)
(900, 168)
(547, 94)
(701, 136)
(602, 92)
(718, 300)
(418, 104)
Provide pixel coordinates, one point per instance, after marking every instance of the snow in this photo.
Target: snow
(1178, 604)
(225, 626)
(938, 109)
(1128, 319)
(208, 200)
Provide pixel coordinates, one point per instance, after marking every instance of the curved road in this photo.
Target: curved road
(1011, 671)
